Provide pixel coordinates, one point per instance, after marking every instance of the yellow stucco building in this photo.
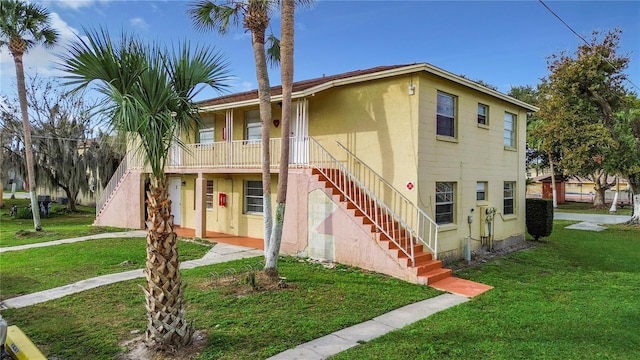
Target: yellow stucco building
(407, 154)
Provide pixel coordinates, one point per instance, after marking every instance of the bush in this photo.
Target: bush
(24, 213)
(539, 217)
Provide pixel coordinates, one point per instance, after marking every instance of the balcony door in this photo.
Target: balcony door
(299, 149)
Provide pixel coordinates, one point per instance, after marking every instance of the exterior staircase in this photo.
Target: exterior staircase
(396, 240)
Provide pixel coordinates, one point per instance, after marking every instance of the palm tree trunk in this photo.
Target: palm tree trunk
(167, 328)
(26, 126)
(286, 68)
(264, 95)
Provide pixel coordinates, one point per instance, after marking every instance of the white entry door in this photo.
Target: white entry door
(176, 199)
(299, 145)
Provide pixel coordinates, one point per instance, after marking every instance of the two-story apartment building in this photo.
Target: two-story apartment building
(387, 165)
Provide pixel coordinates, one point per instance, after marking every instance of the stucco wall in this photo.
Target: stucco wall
(319, 226)
(126, 208)
(476, 154)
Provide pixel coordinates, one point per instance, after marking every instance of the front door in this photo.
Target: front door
(176, 199)
(299, 145)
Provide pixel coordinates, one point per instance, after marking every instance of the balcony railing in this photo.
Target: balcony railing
(239, 154)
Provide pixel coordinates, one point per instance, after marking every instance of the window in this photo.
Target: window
(446, 115)
(481, 190)
(206, 136)
(483, 114)
(509, 192)
(445, 200)
(253, 197)
(210, 203)
(252, 130)
(509, 130)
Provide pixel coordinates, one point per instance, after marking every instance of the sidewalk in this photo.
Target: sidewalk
(592, 218)
(218, 254)
(133, 233)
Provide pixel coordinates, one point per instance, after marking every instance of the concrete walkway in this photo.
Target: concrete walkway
(347, 338)
(218, 254)
(592, 218)
(124, 234)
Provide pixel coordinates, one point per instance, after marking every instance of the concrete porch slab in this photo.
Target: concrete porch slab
(461, 287)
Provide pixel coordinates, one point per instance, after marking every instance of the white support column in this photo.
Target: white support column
(201, 214)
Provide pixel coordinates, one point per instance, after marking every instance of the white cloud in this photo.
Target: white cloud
(247, 85)
(139, 23)
(243, 35)
(76, 4)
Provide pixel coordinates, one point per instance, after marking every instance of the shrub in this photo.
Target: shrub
(24, 213)
(539, 217)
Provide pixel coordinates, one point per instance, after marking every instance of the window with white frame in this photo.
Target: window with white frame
(252, 125)
(253, 197)
(446, 115)
(481, 190)
(483, 114)
(509, 198)
(210, 203)
(445, 202)
(206, 135)
(509, 130)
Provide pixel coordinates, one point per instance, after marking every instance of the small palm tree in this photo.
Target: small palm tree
(149, 93)
(22, 26)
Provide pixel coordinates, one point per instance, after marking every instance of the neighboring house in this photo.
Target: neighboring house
(579, 189)
(389, 166)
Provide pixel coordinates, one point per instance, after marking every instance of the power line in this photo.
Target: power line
(585, 41)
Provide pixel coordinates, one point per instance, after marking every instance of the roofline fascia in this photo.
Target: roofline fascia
(379, 75)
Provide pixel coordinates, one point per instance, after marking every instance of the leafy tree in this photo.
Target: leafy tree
(66, 155)
(627, 157)
(22, 26)
(582, 94)
(149, 93)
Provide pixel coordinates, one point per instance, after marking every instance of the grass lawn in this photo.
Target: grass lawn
(28, 271)
(575, 297)
(587, 208)
(92, 324)
(57, 226)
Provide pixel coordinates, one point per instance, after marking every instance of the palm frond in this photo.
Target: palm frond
(273, 51)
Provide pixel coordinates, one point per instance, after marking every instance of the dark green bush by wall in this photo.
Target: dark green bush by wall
(539, 217)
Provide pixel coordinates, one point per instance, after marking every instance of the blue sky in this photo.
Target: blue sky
(504, 43)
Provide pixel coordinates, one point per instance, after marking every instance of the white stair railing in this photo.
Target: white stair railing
(391, 213)
(108, 190)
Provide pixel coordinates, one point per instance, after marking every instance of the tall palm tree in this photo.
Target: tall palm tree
(286, 73)
(219, 16)
(22, 26)
(149, 93)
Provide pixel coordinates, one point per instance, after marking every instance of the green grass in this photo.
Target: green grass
(587, 208)
(576, 297)
(58, 225)
(93, 323)
(27, 271)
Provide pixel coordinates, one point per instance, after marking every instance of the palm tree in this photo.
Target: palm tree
(207, 15)
(149, 93)
(286, 72)
(22, 26)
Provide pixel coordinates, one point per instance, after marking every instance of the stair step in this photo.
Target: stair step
(421, 258)
(436, 275)
(428, 267)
